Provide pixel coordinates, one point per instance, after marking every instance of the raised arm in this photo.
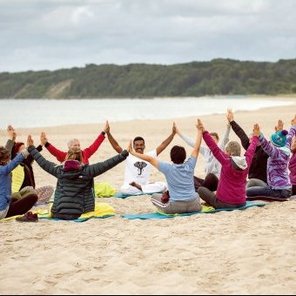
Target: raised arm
(225, 139)
(89, 151)
(245, 141)
(59, 155)
(200, 130)
(167, 141)
(11, 139)
(9, 166)
(101, 167)
(253, 144)
(185, 138)
(112, 141)
(268, 147)
(292, 132)
(46, 165)
(142, 156)
(220, 155)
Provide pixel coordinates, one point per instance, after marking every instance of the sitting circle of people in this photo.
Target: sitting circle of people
(267, 168)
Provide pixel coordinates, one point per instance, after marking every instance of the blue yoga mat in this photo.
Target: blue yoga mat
(205, 210)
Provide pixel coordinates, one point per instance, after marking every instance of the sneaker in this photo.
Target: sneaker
(28, 217)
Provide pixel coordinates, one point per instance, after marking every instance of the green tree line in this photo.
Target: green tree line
(216, 77)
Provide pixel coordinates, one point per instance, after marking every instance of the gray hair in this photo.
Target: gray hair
(233, 148)
(71, 142)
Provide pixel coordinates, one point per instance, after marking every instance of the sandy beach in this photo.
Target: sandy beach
(237, 252)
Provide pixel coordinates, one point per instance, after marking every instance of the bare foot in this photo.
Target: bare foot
(136, 185)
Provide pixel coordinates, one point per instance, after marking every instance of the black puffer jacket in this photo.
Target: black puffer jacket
(74, 194)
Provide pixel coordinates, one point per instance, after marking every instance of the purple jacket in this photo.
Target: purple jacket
(277, 164)
(232, 183)
(292, 168)
(292, 163)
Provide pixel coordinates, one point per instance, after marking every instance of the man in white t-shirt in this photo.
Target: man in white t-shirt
(137, 171)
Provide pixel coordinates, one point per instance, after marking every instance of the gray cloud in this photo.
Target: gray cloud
(37, 35)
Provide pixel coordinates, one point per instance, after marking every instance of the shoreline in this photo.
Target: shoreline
(289, 100)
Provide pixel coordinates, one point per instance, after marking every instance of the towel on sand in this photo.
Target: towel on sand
(104, 189)
(102, 210)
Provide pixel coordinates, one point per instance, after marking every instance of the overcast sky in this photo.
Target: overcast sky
(54, 34)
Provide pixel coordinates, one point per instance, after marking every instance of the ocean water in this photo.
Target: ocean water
(42, 112)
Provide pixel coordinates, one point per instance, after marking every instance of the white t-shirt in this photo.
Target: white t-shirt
(138, 170)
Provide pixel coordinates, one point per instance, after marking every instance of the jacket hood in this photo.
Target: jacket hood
(239, 162)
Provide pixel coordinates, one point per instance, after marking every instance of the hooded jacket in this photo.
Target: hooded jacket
(277, 165)
(74, 194)
(232, 183)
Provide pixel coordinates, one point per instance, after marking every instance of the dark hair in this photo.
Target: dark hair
(4, 155)
(15, 149)
(138, 139)
(178, 154)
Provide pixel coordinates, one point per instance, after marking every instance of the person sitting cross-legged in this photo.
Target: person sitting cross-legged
(231, 191)
(10, 206)
(137, 171)
(278, 178)
(181, 196)
(74, 194)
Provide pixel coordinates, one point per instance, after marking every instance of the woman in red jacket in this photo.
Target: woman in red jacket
(74, 145)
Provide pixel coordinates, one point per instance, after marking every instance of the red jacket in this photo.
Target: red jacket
(86, 153)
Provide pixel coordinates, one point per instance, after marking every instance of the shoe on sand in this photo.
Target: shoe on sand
(28, 217)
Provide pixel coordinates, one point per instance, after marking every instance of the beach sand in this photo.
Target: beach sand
(237, 252)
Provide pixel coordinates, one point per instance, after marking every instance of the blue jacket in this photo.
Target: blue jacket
(5, 180)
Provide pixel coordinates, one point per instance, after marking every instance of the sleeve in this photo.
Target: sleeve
(187, 140)
(251, 150)
(46, 165)
(190, 142)
(59, 155)
(6, 169)
(245, 141)
(217, 152)
(225, 139)
(163, 167)
(269, 149)
(101, 167)
(9, 145)
(88, 152)
(291, 134)
(30, 159)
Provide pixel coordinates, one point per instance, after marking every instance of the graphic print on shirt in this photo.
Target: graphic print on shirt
(140, 165)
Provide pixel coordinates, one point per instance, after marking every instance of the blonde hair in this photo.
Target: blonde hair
(74, 155)
(233, 148)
